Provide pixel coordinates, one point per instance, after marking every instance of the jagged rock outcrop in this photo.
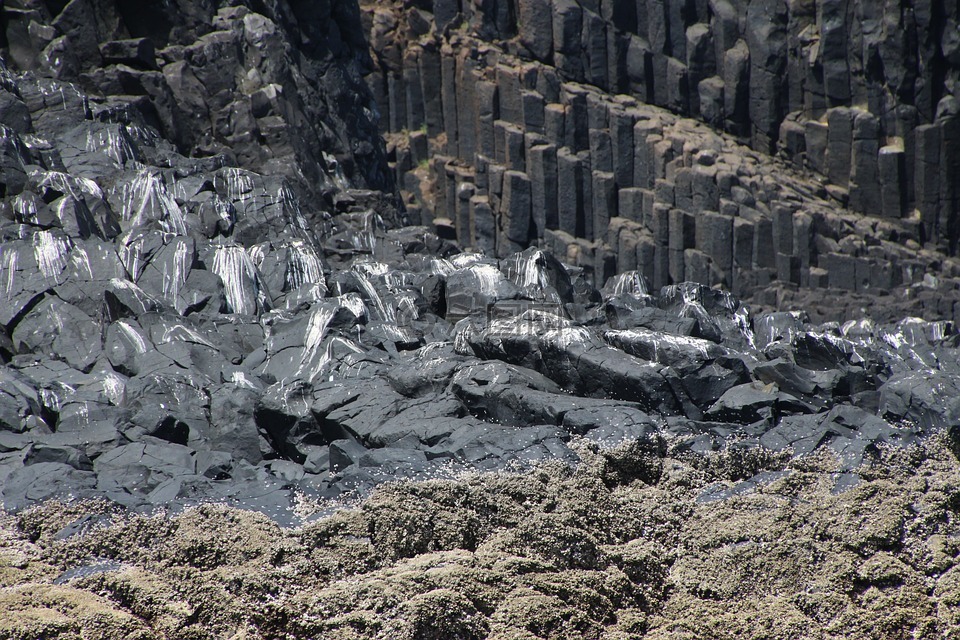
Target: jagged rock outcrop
(275, 88)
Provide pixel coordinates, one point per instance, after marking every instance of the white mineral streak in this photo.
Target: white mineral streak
(549, 328)
(114, 388)
(861, 329)
(303, 265)
(790, 332)
(742, 318)
(239, 184)
(52, 88)
(50, 399)
(487, 276)
(385, 313)
(397, 281)
(182, 260)
(895, 339)
(258, 253)
(143, 134)
(240, 379)
(112, 143)
(131, 255)
(466, 259)
(143, 299)
(910, 329)
(139, 342)
(463, 332)
(529, 273)
(938, 331)
(628, 282)
(565, 337)
(51, 252)
(9, 259)
(82, 413)
(691, 306)
(407, 309)
(441, 267)
(63, 207)
(74, 186)
(55, 318)
(313, 358)
(353, 303)
(373, 269)
(224, 209)
(425, 353)
(241, 282)
(146, 199)
(291, 208)
(661, 341)
(25, 208)
(183, 333)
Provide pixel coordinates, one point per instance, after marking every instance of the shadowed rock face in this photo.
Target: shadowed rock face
(275, 88)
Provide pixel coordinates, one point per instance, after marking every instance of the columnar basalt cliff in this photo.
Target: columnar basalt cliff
(830, 160)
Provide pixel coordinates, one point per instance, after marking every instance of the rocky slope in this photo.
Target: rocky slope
(213, 306)
(179, 328)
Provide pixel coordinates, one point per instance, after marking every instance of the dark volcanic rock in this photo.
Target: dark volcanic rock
(209, 294)
(823, 181)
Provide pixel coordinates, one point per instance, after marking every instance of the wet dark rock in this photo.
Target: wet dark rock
(473, 288)
(283, 415)
(344, 453)
(135, 51)
(631, 312)
(749, 403)
(929, 399)
(575, 359)
(719, 315)
(796, 380)
(705, 385)
(19, 399)
(682, 353)
(35, 483)
(56, 327)
(472, 384)
(425, 420)
(233, 419)
(539, 275)
(610, 423)
(430, 370)
(490, 447)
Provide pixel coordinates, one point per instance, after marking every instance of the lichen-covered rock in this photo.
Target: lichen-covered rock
(552, 553)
